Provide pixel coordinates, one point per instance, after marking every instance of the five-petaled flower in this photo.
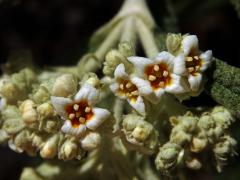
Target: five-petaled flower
(158, 75)
(191, 63)
(131, 88)
(80, 114)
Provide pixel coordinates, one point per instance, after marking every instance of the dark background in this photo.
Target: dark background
(57, 32)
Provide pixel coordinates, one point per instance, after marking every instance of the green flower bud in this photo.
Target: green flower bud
(140, 133)
(113, 59)
(173, 43)
(126, 49)
(12, 120)
(65, 86)
(179, 136)
(45, 110)
(40, 95)
(169, 156)
(222, 117)
(223, 150)
(69, 149)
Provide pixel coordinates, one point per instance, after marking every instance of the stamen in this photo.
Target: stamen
(71, 116)
(135, 93)
(152, 78)
(87, 109)
(121, 86)
(128, 85)
(165, 73)
(190, 69)
(76, 107)
(196, 57)
(189, 59)
(82, 120)
(161, 84)
(156, 67)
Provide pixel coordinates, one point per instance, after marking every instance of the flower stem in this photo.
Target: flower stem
(94, 62)
(147, 39)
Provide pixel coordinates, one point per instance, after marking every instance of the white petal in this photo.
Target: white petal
(180, 65)
(120, 72)
(159, 93)
(206, 58)
(114, 87)
(67, 128)
(91, 141)
(59, 104)
(138, 105)
(165, 57)
(87, 92)
(190, 43)
(144, 88)
(99, 116)
(195, 81)
(140, 63)
(177, 86)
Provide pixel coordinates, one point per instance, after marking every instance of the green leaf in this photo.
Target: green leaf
(224, 86)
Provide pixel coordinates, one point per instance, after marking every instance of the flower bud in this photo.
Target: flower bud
(169, 156)
(29, 113)
(173, 43)
(198, 144)
(91, 141)
(126, 49)
(222, 117)
(40, 95)
(112, 60)
(50, 148)
(193, 163)
(68, 149)
(12, 120)
(91, 78)
(45, 110)
(65, 85)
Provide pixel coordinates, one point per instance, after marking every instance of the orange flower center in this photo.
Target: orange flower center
(193, 64)
(158, 75)
(129, 89)
(79, 113)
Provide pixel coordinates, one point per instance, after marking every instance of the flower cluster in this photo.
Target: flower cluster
(177, 74)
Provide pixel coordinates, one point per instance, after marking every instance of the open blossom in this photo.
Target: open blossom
(131, 88)
(80, 114)
(191, 62)
(158, 75)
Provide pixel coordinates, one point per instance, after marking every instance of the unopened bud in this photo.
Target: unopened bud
(91, 141)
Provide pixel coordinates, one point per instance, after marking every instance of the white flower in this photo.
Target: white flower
(191, 62)
(79, 113)
(158, 75)
(125, 87)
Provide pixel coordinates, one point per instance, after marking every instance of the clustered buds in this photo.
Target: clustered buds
(193, 135)
(34, 117)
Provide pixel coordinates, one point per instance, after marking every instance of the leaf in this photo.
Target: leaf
(224, 86)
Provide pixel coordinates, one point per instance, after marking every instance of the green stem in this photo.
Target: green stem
(129, 33)
(147, 39)
(92, 64)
